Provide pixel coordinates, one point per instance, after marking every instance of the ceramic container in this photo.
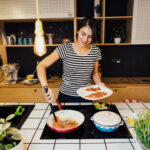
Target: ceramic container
(30, 76)
(117, 40)
(107, 121)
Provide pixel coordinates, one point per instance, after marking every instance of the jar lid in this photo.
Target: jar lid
(106, 118)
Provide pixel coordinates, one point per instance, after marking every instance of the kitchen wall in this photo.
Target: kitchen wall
(126, 61)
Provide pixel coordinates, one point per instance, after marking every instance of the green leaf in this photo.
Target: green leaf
(2, 137)
(14, 143)
(2, 147)
(8, 146)
(16, 137)
(2, 120)
(13, 131)
(6, 126)
(10, 117)
(142, 128)
(1, 127)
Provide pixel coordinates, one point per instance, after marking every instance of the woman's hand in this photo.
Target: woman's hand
(103, 84)
(49, 95)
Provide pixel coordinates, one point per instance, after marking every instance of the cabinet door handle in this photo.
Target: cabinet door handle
(35, 90)
(115, 90)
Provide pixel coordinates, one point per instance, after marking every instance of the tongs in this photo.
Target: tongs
(46, 91)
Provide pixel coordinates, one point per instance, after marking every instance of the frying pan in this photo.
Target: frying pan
(71, 114)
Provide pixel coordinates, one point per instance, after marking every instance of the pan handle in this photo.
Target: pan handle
(59, 104)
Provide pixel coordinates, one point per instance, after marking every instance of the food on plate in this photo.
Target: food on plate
(96, 95)
(93, 89)
(65, 124)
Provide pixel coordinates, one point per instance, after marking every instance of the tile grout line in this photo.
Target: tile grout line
(37, 128)
(130, 107)
(54, 145)
(33, 134)
(105, 144)
(79, 144)
(146, 106)
(131, 144)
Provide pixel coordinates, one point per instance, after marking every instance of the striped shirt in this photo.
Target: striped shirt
(77, 69)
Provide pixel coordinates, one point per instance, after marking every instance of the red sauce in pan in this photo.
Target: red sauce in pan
(65, 124)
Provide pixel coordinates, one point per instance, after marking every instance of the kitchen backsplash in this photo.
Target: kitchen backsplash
(118, 61)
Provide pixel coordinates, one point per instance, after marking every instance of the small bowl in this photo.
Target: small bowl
(30, 76)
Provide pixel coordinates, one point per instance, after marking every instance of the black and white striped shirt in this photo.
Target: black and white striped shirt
(77, 69)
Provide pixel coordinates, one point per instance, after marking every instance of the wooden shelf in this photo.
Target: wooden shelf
(54, 45)
(114, 44)
(119, 17)
(42, 19)
(30, 45)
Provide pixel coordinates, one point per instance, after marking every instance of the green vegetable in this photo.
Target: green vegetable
(19, 110)
(142, 128)
(100, 106)
(8, 133)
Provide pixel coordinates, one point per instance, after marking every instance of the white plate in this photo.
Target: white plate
(30, 81)
(82, 92)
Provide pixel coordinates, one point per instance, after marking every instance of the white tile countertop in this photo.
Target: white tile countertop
(33, 127)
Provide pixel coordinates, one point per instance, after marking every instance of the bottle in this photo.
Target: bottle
(96, 8)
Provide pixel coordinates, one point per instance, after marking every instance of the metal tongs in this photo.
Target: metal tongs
(46, 91)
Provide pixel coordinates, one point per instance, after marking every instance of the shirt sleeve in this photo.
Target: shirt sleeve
(62, 51)
(98, 55)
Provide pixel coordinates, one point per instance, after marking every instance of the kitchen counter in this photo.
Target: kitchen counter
(35, 123)
(123, 88)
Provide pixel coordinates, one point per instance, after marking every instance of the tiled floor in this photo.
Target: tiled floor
(33, 127)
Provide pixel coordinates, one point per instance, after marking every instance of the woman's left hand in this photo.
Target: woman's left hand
(102, 84)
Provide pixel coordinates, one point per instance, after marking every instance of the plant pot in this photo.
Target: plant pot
(19, 146)
(117, 40)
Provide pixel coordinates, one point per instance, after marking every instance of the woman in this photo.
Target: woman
(80, 63)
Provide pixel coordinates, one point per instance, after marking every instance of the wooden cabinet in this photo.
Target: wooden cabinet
(122, 93)
(24, 94)
(123, 88)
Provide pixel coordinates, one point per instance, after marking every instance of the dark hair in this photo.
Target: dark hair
(91, 22)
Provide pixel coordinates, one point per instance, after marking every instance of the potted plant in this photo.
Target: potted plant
(10, 137)
(142, 129)
(118, 33)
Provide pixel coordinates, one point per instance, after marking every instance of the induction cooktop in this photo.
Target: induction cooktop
(87, 130)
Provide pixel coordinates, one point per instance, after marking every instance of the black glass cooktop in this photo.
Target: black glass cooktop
(87, 130)
(17, 121)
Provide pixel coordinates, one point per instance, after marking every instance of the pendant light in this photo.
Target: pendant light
(39, 41)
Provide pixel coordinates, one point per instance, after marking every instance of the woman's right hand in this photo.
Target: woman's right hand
(49, 96)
